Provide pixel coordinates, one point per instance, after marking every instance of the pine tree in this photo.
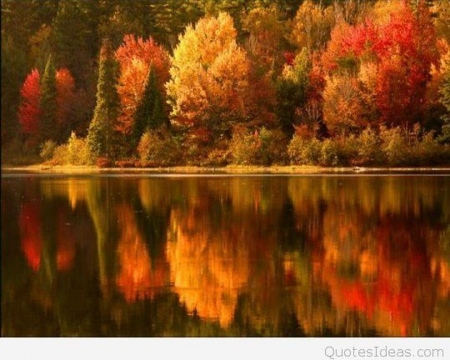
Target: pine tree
(292, 92)
(150, 113)
(100, 136)
(48, 105)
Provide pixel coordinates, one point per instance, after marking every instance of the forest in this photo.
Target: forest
(136, 83)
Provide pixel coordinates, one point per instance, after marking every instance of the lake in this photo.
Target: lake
(263, 255)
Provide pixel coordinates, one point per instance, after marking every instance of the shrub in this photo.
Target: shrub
(429, 152)
(158, 148)
(60, 155)
(368, 148)
(103, 162)
(47, 150)
(217, 157)
(263, 147)
(78, 152)
(244, 148)
(329, 154)
(304, 151)
(394, 146)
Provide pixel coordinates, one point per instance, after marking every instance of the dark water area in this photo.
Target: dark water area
(269, 256)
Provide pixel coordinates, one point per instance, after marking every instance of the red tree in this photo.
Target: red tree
(135, 56)
(403, 49)
(29, 110)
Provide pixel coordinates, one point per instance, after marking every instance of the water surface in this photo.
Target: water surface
(225, 255)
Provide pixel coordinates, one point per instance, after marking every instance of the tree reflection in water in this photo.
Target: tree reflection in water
(239, 256)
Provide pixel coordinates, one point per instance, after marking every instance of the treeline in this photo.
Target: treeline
(198, 82)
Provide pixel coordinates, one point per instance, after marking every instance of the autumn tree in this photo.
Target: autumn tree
(101, 130)
(401, 61)
(441, 12)
(292, 88)
(266, 30)
(135, 57)
(312, 26)
(31, 113)
(342, 105)
(30, 107)
(211, 88)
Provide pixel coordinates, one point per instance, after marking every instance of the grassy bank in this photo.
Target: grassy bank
(231, 169)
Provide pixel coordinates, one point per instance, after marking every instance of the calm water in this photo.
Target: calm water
(225, 256)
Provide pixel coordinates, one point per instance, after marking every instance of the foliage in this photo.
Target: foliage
(349, 72)
(211, 86)
(292, 90)
(342, 105)
(101, 130)
(263, 147)
(403, 63)
(158, 148)
(140, 60)
(304, 151)
(74, 152)
(78, 151)
(150, 113)
(48, 149)
(30, 108)
(445, 97)
(368, 145)
(394, 146)
(266, 34)
(312, 25)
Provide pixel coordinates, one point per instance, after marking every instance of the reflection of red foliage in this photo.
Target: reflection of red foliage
(31, 240)
(66, 244)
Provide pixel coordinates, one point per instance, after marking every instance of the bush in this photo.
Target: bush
(304, 151)
(263, 147)
(429, 152)
(74, 152)
(78, 151)
(103, 162)
(158, 148)
(60, 155)
(394, 146)
(47, 150)
(217, 157)
(368, 148)
(329, 154)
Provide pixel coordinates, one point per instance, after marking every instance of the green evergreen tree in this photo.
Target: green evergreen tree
(48, 126)
(291, 92)
(74, 37)
(101, 129)
(150, 113)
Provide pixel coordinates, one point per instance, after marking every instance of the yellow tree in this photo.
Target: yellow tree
(211, 86)
(312, 26)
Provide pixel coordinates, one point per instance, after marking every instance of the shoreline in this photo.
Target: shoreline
(226, 170)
